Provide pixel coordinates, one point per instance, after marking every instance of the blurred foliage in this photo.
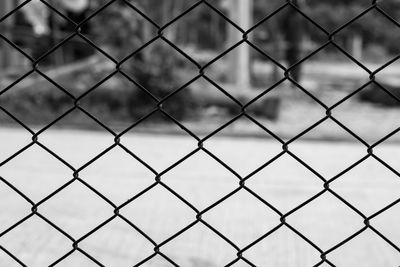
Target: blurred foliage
(117, 28)
(374, 28)
(159, 75)
(120, 30)
(123, 31)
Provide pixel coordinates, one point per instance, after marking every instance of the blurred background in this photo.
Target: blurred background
(321, 75)
(119, 33)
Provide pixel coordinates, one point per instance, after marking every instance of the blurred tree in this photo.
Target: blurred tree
(119, 29)
(376, 29)
(285, 30)
(371, 30)
(293, 32)
(122, 31)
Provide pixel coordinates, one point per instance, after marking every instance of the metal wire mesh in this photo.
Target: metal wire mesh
(158, 176)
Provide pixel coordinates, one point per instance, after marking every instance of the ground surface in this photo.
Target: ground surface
(242, 218)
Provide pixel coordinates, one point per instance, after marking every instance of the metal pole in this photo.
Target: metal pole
(241, 12)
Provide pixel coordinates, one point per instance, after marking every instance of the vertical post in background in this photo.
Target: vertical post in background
(241, 12)
(357, 46)
(277, 51)
(6, 53)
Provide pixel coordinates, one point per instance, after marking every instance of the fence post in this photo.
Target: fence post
(241, 12)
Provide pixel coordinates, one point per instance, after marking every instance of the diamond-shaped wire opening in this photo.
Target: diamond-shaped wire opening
(264, 70)
(68, 52)
(180, 106)
(160, 60)
(211, 102)
(125, 27)
(285, 183)
(118, 175)
(40, 13)
(160, 83)
(36, 102)
(293, 104)
(372, 21)
(198, 175)
(211, 22)
(158, 213)
(321, 157)
(322, 13)
(242, 225)
(361, 118)
(117, 244)
(38, 237)
(326, 221)
(76, 209)
(155, 149)
(36, 173)
(283, 247)
(237, 152)
(116, 102)
(79, 59)
(321, 76)
(214, 104)
(271, 41)
(368, 186)
(71, 150)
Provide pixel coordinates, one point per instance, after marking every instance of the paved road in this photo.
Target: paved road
(202, 181)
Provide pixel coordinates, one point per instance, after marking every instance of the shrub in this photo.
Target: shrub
(158, 73)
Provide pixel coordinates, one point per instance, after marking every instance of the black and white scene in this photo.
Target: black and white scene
(199, 133)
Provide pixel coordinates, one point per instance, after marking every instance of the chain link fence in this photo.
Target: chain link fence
(158, 107)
